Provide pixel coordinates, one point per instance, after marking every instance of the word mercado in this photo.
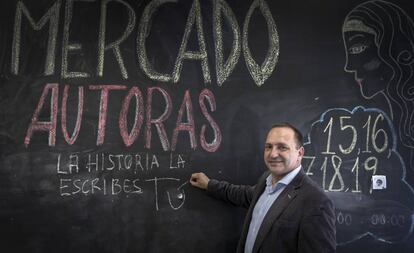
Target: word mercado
(71, 50)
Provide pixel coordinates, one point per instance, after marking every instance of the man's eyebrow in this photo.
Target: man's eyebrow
(276, 144)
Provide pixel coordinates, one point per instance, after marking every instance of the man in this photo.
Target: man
(287, 211)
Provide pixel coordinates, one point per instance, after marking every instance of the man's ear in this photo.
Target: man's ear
(301, 151)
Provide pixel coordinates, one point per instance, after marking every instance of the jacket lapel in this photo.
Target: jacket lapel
(277, 208)
(261, 185)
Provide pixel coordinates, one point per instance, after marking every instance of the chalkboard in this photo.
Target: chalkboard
(107, 107)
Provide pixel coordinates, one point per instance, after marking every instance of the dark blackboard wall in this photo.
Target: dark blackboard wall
(106, 189)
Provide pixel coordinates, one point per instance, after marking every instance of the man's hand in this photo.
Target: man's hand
(199, 180)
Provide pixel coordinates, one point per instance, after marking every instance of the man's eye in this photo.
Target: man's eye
(357, 49)
(283, 148)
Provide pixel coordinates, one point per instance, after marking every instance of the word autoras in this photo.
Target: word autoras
(184, 123)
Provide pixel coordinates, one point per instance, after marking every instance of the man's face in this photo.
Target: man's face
(281, 153)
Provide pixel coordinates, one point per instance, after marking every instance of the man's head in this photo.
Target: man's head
(283, 150)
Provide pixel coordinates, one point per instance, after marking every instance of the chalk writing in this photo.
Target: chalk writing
(136, 163)
(352, 148)
(259, 72)
(385, 220)
(181, 125)
(122, 174)
(343, 151)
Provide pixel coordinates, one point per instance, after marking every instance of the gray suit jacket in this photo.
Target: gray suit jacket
(301, 219)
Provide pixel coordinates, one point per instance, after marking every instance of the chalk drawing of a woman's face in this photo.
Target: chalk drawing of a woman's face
(379, 44)
(362, 58)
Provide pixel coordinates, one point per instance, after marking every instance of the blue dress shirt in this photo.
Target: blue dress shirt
(269, 195)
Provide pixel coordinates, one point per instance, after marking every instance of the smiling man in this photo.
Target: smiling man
(287, 211)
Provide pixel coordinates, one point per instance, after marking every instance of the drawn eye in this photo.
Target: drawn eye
(357, 49)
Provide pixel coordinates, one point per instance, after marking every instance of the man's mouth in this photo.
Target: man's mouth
(274, 162)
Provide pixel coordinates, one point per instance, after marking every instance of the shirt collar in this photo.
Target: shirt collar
(282, 182)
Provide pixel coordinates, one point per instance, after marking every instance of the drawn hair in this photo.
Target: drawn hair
(394, 37)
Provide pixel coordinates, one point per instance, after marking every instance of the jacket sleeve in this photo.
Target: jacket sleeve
(239, 195)
(317, 232)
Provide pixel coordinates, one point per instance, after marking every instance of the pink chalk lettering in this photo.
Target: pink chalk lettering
(103, 108)
(72, 139)
(129, 138)
(215, 144)
(157, 122)
(48, 126)
(188, 126)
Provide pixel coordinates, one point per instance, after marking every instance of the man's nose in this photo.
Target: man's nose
(274, 153)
